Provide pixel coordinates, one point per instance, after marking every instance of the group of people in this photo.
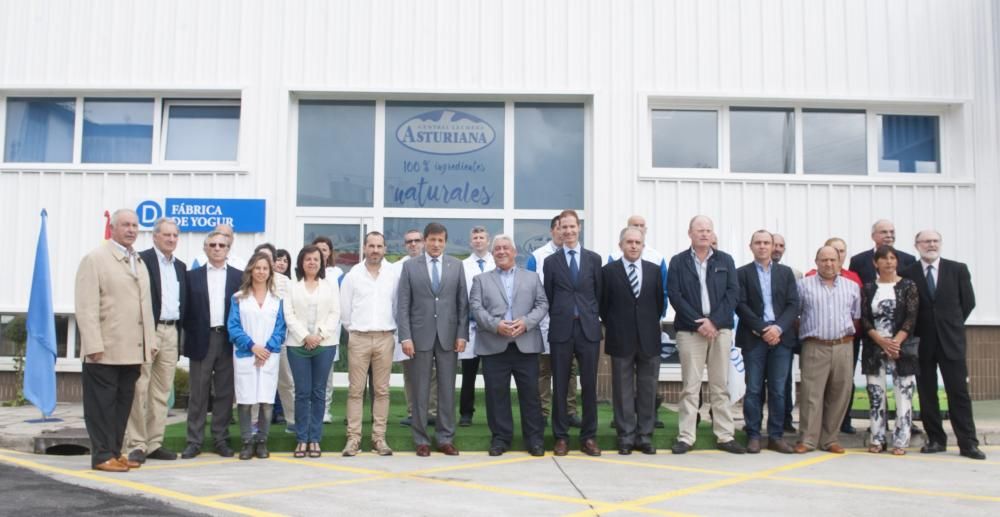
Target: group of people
(254, 335)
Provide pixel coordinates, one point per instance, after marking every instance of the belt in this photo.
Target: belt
(220, 329)
(839, 341)
(169, 323)
(372, 331)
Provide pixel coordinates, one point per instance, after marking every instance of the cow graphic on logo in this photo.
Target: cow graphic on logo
(445, 132)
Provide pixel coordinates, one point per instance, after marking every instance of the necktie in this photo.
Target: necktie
(633, 280)
(435, 276)
(931, 286)
(482, 266)
(574, 269)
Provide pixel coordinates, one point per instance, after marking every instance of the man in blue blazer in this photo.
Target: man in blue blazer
(768, 307)
(206, 344)
(572, 279)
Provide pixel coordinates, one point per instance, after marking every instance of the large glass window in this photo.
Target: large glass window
(530, 234)
(202, 132)
(548, 155)
(762, 140)
(909, 143)
(834, 142)
(686, 139)
(458, 233)
(444, 155)
(336, 153)
(39, 130)
(118, 131)
(346, 242)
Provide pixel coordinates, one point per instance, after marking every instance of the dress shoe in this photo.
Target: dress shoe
(915, 430)
(465, 421)
(801, 448)
(732, 447)
(973, 453)
(448, 449)
(260, 450)
(497, 450)
(191, 451)
(162, 454)
(247, 451)
(834, 448)
(408, 421)
(128, 462)
(223, 449)
(590, 448)
(645, 448)
(431, 420)
(423, 450)
(848, 429)
(789, 428)
(537, 450)
(381, 448)
(111, 465)
(680, 447)
(561, 447)
(932, 447)
(660, 425)
(779, 445)
(137, 456)
(574, 421)
(753, 446)
(624, 449)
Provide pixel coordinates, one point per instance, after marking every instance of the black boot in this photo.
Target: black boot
(247, 451)
(262, 450)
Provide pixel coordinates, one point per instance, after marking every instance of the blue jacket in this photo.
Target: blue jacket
(242, 343)
(684, 290)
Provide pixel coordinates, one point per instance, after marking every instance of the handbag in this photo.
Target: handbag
(910, 347)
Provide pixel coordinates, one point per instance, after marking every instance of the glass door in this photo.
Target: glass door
(347, 234)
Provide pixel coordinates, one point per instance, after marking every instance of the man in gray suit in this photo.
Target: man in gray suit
(432, 317)
(508, 303)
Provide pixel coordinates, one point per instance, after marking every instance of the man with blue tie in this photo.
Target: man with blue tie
(479, 261)
(572, 279)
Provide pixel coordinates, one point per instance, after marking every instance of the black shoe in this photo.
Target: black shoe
(278, 418)
(646, 448)
(191, 451)
(137, 456)
(789, 428)
(660, 424)
(432, 420)
(624, 449)
(223, 449)
(574, 421)
(537, 450)
(261, 451)
(933, 447)
(973, 453)
(732, 447)
(247, 451)
(915, 430)
(162, 454)
(680, 447)
(848, 429)
(408, 421)
(465, 421)
(497, 450)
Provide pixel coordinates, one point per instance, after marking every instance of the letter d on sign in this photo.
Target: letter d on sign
(149, 212)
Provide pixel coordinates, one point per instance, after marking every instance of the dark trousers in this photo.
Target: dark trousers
(467, 400)
(107, 401)
(211, 381)
(954, 374)
(497, 371)
(772, 362)
(633, 390)
(586, 354)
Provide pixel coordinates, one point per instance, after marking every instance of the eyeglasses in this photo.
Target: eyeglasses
(217, 245)
(414, 241)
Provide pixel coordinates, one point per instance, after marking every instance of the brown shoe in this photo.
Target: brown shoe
(132, 464)
(561, 448)
(590, 448)
(801, 448)
(779, 445)
(834, 448)
(753, 446)
(112, 465)
(423, 451)
(448, 449)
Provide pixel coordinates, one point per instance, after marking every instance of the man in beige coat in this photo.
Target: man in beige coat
(114, 315)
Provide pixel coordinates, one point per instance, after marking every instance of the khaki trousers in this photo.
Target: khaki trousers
(148, 417)
(695, 352)
(545, 386)
(827, 383)
(366, 349)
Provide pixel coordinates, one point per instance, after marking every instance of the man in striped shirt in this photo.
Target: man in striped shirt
(831, 308)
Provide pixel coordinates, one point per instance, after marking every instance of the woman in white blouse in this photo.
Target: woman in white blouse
(312, 312)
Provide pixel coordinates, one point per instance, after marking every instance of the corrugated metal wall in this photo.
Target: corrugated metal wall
(617, 53)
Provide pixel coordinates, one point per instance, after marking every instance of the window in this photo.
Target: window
(458, 233)
(909, 143)
(762, 140)
(39, 130)
(202, 131)
(346, 240)
(548, 155)
(118, 131)
(685, 139)
(336, 165)
(834, 142)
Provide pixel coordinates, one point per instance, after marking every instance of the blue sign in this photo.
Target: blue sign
(204, 214)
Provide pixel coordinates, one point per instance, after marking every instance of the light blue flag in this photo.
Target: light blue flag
(40, 357)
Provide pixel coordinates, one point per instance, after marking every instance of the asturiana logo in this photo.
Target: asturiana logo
(445, 132)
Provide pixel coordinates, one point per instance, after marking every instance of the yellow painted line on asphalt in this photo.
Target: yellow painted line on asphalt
(466, 466)
(704, 487)
(891, 489)
(12, 451)
(295, 488)
(925, 457)
(727, 473)
(329, 466)
(186, 464)
(92, 475)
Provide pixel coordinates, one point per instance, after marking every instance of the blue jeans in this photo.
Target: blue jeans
(774, 363)
(310, 375)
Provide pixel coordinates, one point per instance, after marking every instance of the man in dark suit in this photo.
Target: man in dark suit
(946, 300)
(168, 292)
(432, 318)
(206, 344)
(572, 278)
(508, 304)
(768, 307)
(631, 304)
